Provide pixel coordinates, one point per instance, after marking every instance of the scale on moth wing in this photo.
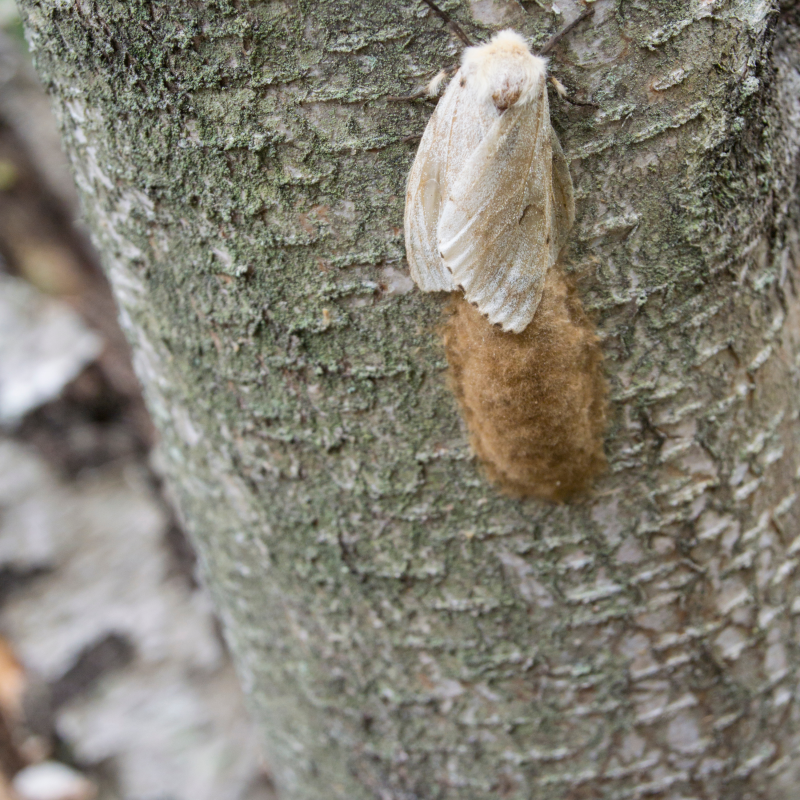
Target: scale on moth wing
(489, 197)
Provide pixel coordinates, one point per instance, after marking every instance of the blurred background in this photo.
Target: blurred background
(114, 679)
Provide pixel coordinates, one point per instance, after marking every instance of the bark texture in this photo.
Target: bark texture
(404, 631)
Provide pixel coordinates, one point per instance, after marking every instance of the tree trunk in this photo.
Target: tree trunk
(402, 629)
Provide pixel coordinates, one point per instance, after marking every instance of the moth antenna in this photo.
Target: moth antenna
(557, 37)
(450, 22)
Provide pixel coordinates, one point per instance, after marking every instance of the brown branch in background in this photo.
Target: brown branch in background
(449, 21)
(557, 37)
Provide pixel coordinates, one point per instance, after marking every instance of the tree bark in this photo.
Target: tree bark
(403, 630)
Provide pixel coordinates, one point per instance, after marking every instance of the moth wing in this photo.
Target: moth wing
(424, 198)
(562, 193)
(498, 229)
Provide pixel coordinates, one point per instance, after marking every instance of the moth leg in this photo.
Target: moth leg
(430, 90)
(562, 92)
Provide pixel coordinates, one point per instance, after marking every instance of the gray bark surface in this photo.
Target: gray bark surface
(402, 630)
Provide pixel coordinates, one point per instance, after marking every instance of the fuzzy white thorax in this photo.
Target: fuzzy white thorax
(504, 71)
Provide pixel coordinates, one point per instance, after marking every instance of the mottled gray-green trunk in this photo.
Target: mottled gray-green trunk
(402, 630)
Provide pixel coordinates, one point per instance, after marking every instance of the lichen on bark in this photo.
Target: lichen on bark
(402, 630)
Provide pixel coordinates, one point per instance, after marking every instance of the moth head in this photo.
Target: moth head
(503, 71)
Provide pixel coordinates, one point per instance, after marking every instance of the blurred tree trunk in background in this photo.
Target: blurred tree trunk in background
(402, 630)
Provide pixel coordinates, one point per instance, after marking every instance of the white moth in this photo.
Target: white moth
(489, 197)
